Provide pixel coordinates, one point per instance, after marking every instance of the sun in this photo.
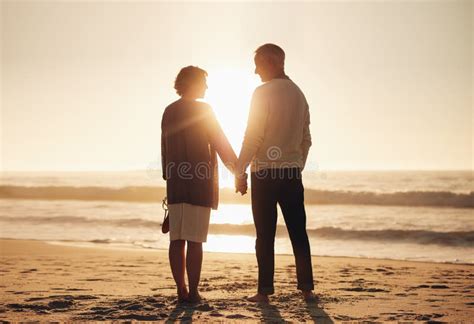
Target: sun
(229, 93)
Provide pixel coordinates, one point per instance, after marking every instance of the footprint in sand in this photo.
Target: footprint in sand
(236, 316)
(218, 278)
(204, 308)
(439, 287)
(385, 271)
(140, 317)
(29, 270)
(60, 304)
(51, 306)
(362, 289)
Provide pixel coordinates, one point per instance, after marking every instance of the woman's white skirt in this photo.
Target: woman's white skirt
(189, 222)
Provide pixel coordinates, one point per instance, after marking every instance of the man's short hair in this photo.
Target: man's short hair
(273, 53)
(187, 77)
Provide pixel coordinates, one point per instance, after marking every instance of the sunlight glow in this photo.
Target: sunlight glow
(230, 244)
(232, 214)
(229, 93)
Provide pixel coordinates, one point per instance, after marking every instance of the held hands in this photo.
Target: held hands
(241, 184)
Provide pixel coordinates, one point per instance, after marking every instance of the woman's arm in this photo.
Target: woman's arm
(220, 143)
(163, 149)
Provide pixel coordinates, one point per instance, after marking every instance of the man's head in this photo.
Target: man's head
(269, 61)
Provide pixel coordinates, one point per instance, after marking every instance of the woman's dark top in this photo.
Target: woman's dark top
(190, 138)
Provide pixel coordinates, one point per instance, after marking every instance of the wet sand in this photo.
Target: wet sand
(49, 282)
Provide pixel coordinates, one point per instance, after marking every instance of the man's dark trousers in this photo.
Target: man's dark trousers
(284, 187)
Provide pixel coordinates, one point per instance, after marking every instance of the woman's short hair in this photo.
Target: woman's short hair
(188, 76)
(274, 53)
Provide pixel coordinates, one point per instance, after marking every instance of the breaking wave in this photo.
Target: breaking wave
(155, 194)
(457, 238)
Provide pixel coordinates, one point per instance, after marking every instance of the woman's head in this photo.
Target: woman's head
(191, 82)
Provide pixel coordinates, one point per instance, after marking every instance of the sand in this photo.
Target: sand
(50, 282)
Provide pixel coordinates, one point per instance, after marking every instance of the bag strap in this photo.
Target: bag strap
(164, 205)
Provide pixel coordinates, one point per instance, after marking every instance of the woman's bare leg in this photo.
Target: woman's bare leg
(177, 262)
(193, 267)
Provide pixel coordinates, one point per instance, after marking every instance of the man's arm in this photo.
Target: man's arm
(254, 133)
(306, 144)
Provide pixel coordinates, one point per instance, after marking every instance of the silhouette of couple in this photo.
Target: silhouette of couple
(276, 145)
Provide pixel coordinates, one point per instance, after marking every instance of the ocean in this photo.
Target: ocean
(404, 215)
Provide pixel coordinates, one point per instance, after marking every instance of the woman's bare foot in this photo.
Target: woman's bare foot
(259, 298)
(183, 295)
(309, 296)
(194, 298)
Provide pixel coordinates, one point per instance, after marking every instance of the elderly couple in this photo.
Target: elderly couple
(276, 143)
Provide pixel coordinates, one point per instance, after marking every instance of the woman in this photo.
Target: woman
(190, 138)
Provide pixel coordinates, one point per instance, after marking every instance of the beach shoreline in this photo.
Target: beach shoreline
(55, 282)
(132, 248)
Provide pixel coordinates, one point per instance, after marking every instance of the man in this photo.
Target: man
(277, 142)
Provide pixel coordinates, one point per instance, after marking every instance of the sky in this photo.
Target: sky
(84, 84)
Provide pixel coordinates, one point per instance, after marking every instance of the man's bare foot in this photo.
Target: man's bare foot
(259, 298)
(183, 295)
(194, 298)
(309, 296)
